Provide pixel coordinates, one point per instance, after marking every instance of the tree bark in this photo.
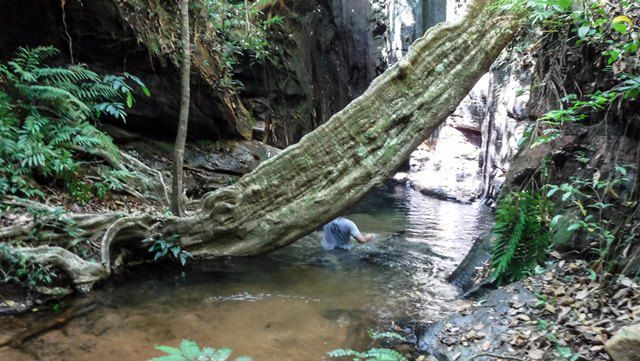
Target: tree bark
(183, 122)
(331, 168)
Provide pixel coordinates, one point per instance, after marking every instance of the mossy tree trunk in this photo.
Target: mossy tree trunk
(333, 167)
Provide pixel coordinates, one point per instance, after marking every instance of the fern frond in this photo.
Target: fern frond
(344, 353)
(521, 235)
(383, 354)
(58, 95)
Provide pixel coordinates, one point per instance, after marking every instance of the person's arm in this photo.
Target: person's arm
(361, 238)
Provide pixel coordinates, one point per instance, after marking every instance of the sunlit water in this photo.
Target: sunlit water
(294, 304)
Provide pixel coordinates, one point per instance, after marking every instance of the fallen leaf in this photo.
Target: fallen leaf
(581, 295)
(536, 354)
(550, 308)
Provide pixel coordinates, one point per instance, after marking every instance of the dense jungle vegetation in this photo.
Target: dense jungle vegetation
(77, 207)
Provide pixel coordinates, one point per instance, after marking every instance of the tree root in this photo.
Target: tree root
(83, 273)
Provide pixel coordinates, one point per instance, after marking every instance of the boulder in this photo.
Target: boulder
(625, 344)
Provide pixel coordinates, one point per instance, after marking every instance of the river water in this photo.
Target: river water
(294, 304)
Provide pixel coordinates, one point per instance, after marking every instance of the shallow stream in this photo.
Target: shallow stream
(294, 304)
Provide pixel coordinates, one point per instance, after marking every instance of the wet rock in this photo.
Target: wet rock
(446, 166)
(625, 344)
(464, 275)
(445, 177)
(505, 117)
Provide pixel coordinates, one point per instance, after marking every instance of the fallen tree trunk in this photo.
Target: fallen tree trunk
(333, 167)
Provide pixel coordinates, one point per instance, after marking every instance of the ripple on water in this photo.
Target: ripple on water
(296, 303)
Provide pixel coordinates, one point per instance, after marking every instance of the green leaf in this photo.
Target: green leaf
(175, 250)
(574, 226)
(620, 27)
(583, 31)
(221, 354)
(129, 99)
(344, 353)
(168, 358)
(190, 350)
(169, 350)
(564, 4)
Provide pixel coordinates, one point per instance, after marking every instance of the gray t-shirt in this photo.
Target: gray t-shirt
(337, 233)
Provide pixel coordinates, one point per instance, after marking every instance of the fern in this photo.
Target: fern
(373, 354)
(189, 351)
(383, 335)
(48, 113)
(345, 353)
(521, 235)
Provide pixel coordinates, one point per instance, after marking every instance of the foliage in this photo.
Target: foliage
(15, 268)
(594, 199)
(111, 180)
(601, 206)
(229, 30)
(373, 354)
(384, 335)
(47, 118)
(241, 29)
(550, 124)
(606, 27)
(168, 247)
(189, 351)
(522, 235)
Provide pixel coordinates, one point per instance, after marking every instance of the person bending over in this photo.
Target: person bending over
(338, 233)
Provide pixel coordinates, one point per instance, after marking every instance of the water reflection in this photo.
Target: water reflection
(294, 304)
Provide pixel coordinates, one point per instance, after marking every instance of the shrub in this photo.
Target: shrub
(189, 351)
(522, 235)
(48, 116)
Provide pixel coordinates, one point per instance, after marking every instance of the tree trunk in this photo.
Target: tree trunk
(183, 122)
(333, 167)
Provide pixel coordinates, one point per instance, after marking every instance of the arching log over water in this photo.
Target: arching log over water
(333, 167)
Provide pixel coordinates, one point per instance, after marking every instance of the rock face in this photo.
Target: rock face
(505, 117)
(94, 33)
(329, 53)
(469, 156)
(625, 344)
